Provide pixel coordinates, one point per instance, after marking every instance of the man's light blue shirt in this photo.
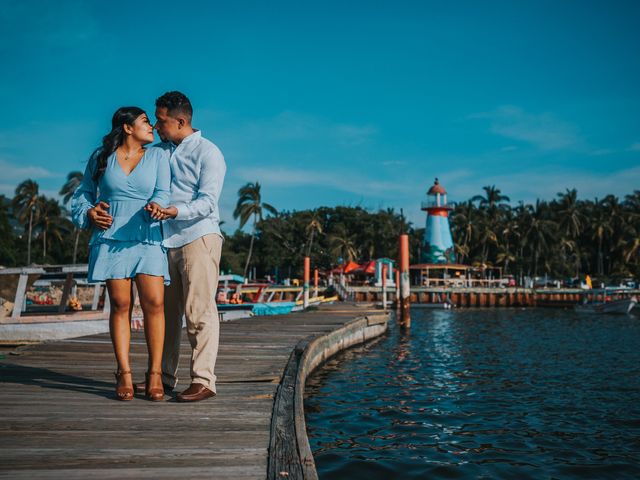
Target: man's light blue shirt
(197, 175)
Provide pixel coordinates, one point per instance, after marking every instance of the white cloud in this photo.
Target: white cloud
(280, 176)
(394, 163)
(24, 172)
(602, 151)
(543, 130)
(635, 147)
(288, 127)
(529, 185)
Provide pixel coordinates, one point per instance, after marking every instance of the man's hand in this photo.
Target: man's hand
(99, 217)
(155, 210)
(169, 212)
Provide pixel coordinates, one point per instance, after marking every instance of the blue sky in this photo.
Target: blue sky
(327, 103)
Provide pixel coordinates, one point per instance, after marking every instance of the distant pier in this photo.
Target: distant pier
(485, 297)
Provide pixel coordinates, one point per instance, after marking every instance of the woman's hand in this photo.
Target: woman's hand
(155, 210)
(159, 213)
(99, 217)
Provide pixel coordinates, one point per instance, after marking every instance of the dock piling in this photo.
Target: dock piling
(307, 274)
(405, 286)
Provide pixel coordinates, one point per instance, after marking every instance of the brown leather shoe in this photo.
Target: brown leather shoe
(195, 393)
(141, 387)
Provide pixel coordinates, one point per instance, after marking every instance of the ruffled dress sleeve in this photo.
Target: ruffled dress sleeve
(85, 196)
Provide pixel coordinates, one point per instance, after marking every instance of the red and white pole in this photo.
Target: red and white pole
(405, 287)
(315, 282)
(384, 287)
(307, 268)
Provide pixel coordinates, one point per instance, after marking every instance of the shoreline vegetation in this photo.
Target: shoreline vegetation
(565, 237)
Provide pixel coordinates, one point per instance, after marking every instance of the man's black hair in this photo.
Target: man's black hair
(175, 102)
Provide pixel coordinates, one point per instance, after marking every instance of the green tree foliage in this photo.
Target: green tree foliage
(25, 206)
(74, 179)
(250, 205)
(328, 235)
(565, 237)
(9, 248)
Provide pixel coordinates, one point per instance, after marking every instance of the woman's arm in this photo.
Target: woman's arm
(84, 197)
(84, 211)
(162, 189)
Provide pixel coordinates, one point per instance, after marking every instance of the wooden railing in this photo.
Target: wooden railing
(42, 272)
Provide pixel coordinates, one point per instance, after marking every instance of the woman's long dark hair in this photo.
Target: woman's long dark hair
(112, 140)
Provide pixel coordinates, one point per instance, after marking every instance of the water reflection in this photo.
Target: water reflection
(483, 394)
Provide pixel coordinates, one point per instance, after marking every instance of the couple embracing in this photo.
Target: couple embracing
(155, 220)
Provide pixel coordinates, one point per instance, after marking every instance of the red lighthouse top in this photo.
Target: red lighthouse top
(437, 202)
(436, 188)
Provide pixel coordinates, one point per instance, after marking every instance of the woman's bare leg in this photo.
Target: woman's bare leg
(151, 291)
(120, 326)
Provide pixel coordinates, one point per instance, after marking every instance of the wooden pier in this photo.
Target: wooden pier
(59, 418)
(487, 297)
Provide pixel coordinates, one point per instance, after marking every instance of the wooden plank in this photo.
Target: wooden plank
(18, 302)
(59, 418)
(66, 291)
(97, 290)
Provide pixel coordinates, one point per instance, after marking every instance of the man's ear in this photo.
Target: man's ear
(181, 122)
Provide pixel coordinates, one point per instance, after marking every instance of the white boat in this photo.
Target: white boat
(624, 306)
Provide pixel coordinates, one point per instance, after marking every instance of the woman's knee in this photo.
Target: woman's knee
(152, 304)
(120, 304)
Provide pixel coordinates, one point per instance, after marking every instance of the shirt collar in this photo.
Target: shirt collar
(192, 137)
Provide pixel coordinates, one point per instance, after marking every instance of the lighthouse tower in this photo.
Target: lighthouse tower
(438, 244)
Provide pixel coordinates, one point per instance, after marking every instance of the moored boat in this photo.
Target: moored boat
(620, 306)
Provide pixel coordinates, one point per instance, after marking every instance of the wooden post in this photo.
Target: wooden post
(397, 288)
(18, 302)
(107, 301)
(96, 296)
(405, 287)
(384, 287)
(305, 289)
(66, 292)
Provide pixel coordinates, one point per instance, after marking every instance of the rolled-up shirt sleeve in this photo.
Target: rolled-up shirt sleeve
(84, 197)
(212, 172)
(162, 190)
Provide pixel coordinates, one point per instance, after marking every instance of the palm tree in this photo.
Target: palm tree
(249, 205)
(493, 199)
(600, 228)
(343, 244)
(464, 227)
(74, 179)
(73, 182)
(487, 237)
(539, 233)
(571, 217)
(314, 226)
(49, 222)
(25, 204)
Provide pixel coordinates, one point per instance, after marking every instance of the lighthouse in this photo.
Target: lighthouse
(438, 244)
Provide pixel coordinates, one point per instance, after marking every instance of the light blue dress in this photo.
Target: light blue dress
(133, 242)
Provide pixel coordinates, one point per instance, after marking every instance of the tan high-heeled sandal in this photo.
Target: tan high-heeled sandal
(154, 394)
(124, 394)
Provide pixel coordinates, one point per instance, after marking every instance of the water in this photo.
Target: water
(498, 393)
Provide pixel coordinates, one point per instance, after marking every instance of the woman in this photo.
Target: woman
(124, 187)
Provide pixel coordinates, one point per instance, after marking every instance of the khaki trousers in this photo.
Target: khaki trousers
(194, 270)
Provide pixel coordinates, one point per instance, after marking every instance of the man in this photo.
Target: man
(194, 242)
